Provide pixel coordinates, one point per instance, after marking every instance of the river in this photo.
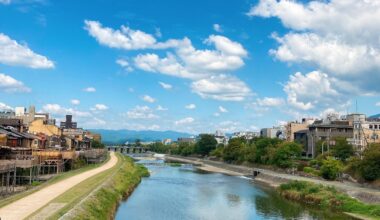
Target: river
(181, 193)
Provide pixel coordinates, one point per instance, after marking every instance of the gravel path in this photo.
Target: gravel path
(24, 207)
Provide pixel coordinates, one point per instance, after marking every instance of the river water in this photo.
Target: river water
(181, 193)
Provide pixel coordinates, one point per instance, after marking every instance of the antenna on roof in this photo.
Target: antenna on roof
(356, 107)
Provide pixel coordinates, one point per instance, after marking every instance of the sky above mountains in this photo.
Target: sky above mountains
(192, 66)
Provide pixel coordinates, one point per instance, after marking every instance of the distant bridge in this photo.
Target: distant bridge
(130, 150)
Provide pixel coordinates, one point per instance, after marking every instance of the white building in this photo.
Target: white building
(221, 138)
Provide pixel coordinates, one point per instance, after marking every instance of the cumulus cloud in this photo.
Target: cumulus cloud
(75, 101)
(89, 89)
(11, 85)
(341, 38)
(217, 28)
(165, 85)
(124, 64)
(184, 121)
(125, 38)
(160, 108)
(270, 102)
(5, 2)
(183, 60)
(147, 98)
(222, 109)
(314, 89)
(141, 112)
(221, 87)
(58, 110)
(4, 106)
(14, 54)
(190, 106)
(99, 107)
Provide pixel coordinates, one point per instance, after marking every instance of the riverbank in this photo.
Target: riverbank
(275, 179)
(26, 206)
(103, 201)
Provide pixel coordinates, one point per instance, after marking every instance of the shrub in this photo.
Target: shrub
(331, 168)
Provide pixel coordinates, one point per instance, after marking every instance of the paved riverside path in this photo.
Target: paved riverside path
(24, 207)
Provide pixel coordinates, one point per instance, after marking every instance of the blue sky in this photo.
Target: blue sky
(193, 66)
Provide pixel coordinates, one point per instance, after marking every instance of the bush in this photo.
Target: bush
(369, 166)
(331, 168)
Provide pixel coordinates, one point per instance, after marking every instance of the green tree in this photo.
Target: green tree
(369, 166)
(265, 148)
(206, 144)
(331, 168)
(233, 151)
(342, 149)
(97, 144)
(218, 151)
(286, 153)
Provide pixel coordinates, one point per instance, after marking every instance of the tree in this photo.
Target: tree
(265, 149)
(331, 168)
(233, 151)
(369, 166)
(97, 144)
(206, 144)
(286, 153)
(342, 149)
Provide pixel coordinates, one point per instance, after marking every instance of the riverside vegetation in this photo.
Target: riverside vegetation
(326, 198)
(103, 203)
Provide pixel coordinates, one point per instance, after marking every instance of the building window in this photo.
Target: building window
(376, 127)
(370, 126)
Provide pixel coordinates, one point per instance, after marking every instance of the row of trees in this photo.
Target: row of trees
(272, 151)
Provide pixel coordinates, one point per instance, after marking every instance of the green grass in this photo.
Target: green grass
(103, 203)
(113, 183)
(327, 198)
(55, 179)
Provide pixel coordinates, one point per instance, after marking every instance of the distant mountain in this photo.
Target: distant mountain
(374, 116)
(122, 136)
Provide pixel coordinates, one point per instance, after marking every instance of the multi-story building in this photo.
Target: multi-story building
(275, 132)
(68, 124)
(221, 138)
(248, 135)
(292, 127)
(167, 141)
(326, 131)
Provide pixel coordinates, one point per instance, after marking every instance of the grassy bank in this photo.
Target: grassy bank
(103, 203)
(55, 179)
(327, 198)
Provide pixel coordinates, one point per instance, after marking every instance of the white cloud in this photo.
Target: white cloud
(125, 64)
(11, 85)
(217, 28)
(314, 89)
(89, 89)
(14, 54)
(160, 108)
(58, 110)
(221, 87)
(165, 85)
(222, 109)
(141, 112)
(216, 114)
(184, 61)
(190, 106)
(75, 101)
(341, 38)
(184, 121)
(270, 102)
(5, 2)
(125, 38)
(377, 104)
(99, 107)
(4, 106)
(147, 98)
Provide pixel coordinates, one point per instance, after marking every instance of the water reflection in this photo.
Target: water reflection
(175, 193)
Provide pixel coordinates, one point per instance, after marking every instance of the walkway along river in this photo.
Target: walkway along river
(173, 193)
